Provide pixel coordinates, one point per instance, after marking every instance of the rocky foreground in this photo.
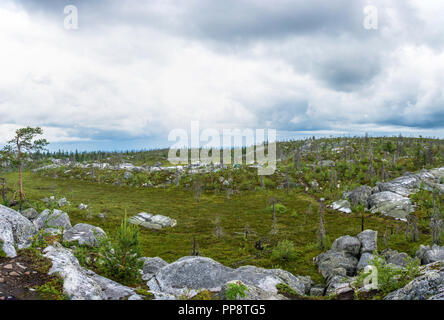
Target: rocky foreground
(392, 198)
(190, 275)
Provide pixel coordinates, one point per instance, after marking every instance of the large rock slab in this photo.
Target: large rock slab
(428, 286)
(22, 229)
(191, 274)
(150, 221)
(84, 234)
(52, 219)
(82, 284)
(390, 204)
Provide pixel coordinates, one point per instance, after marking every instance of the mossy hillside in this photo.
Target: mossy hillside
(197, 220)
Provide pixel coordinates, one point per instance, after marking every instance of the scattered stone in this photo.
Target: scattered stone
(8, 267)
(151, 221)
(52, 219)
(85, 234)
(342, 206)
(429, 254)
(62, 202)
(13, 274)
(399, 259)
(359, 196)
(30, 214)
(364, 260)
(83, 206)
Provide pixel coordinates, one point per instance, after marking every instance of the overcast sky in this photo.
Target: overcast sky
(134, 69)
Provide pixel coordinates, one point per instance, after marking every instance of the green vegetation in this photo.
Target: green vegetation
(390, 278)
(238, 197)
(284, 251)
(236, 290)
(52, 290)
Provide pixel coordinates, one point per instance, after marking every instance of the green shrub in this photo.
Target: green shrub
(390, 278)
(120, 259)
(280, 208)
(2, 253)
(284, 251)
(236, 290)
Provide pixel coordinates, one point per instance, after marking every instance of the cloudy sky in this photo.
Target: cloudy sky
(134, 69)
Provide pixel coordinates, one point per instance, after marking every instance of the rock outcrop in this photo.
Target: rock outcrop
(82, 284)
(392, 198)
(15, 231)
(189, 275)
(428, 286)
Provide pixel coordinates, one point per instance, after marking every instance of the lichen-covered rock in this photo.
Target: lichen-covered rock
(390, 204)
(85, 234)
(429, 285)
(151, 221)
(22, 229)
(433, 254)
(7, 239)
(151, 266)
(82, 284)
(331, 260)
(52, 219)
(369, 241)
(364, 260)
(347, 244)
(191, 274)
(30, 214)
(359, 196)
(399, 259)
(342, 206)
(251, 292)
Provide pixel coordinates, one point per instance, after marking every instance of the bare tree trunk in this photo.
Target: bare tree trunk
(19, 154)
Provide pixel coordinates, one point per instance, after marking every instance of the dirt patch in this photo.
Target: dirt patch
(18, 278)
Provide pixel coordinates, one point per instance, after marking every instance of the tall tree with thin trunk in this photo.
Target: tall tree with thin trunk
(24, 143)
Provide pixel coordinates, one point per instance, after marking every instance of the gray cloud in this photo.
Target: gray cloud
(137, 69)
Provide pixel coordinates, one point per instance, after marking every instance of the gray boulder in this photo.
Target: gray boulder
(251, 292)
(390, 204)
(127, 175)
(30, 214)
(329, 262)
(62, 202)
(428, 286)
(191, 274)
(399, 259)
(359, 196)
(347, 244)
(369, 241)
(22, 229)
(151, 221)
(82, 284)
(342, 206)
(85, 234)
(364, 260)
(151, 266)
(52, 219)
(7, 239)
(433, 254)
